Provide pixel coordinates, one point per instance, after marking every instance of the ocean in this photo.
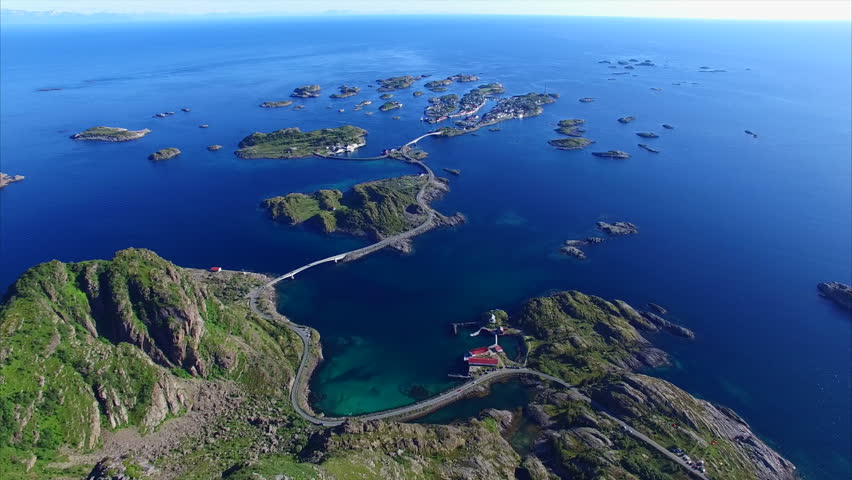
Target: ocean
(735, 231)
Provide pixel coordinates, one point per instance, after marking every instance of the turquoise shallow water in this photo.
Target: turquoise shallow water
(735, 231)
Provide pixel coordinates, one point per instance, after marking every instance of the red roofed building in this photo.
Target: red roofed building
(482, 362)
(215, 269)
(497, 349)
(479, 351)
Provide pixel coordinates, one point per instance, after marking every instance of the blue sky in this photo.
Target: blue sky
(721, 9)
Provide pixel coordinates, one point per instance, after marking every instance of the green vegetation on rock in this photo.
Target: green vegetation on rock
(307, 91)
(164, 154)
(96, 346)
(573, 143)
(110, 134)
(345, 91)
(375, 209)
(571, 127)
(391, 105)
(397, 83)
(294, 143)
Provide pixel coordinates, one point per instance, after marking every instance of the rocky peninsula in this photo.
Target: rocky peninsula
(164, 154)
(838, 292)
(110, 134)
(294, 143)
(307, 91)
(7, 179)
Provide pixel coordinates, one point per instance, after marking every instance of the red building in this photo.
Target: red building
(215, 269)
(482, 362)
(478, 351)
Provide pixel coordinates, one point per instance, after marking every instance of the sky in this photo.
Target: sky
(709, 9)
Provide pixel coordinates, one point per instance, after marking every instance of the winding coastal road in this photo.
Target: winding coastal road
(424, 406)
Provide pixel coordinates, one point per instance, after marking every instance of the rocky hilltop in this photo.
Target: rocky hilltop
(377, 209)
(596, 344)
(94, 346)
(110, 134)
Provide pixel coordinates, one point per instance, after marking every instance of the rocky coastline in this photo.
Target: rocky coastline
(110, 134)
(6, 179)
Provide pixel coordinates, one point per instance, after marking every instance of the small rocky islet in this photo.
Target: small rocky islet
(617, 154)
(214, 148)
(6, 179)
(277, 104)
(345, 91)
(647, 147)
(306, 91)
(164, 154)
(397, 83)
(110, 134)
(390, 105)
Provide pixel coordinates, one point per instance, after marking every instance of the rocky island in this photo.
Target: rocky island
(375, 210)
(214, 148)
(617, 154)
(164, 154)
(838, 292)
(390, 105)
(110, 134)
(571, 127)
(307, 91)
(572, 143)
(345, 91)
(397, 83)
(668, 127)
(586, 100)
(647, 135)
(626, 120)
(7, 179)
(647, 147)
(294, 143)
(279, 104)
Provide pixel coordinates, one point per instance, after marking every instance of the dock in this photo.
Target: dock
(462, 324)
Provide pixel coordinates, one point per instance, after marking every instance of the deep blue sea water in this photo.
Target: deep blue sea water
(735, 231)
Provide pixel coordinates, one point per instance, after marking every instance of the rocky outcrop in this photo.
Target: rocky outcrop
(164, 154)
(394, 450)
(7, 179)
(838, 292)
(618, 228)
(617, 154)
(652, 401)
(307, 91)
(626, 120)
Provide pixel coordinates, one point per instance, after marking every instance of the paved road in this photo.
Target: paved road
(445, 398)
